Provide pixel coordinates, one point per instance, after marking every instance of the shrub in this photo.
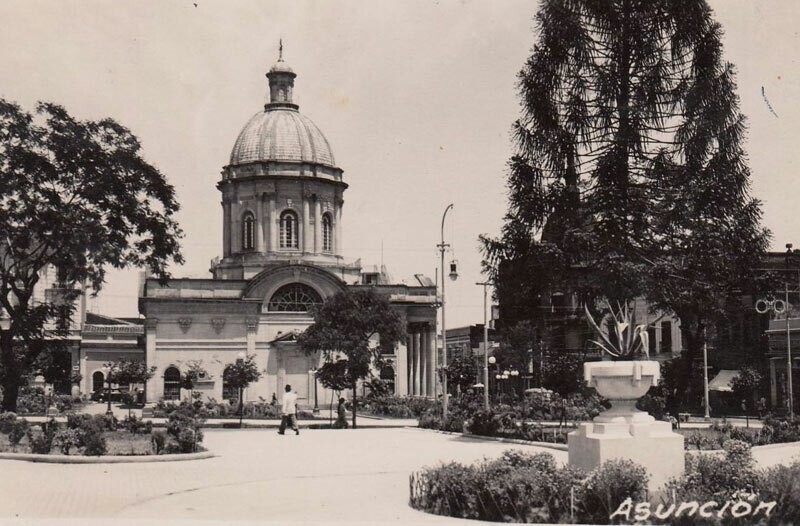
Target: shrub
(78, 421)
(93, 441)
(40, 438)
(184, 426)
(7, 421)
(148, 427)
(133, 425)
(64, 403)
(159, 440)
(608, 486)
(66, 439)
(782, 485)
(19, 428)
(711, 477)
(485, 423)
(517, 487)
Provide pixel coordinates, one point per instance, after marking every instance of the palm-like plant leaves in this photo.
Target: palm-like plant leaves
(631, 338)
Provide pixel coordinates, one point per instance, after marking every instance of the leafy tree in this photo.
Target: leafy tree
(345, 326)
(747, 386)
(76, 195)
(334, 375)
(629, 177)
(129, 372)
(461, 372)
(239, 375)
(194, 371)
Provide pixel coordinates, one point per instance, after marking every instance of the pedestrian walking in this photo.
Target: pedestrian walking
(289, 411)
(341, 416)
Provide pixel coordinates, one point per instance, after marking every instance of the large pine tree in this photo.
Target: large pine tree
(629, 177)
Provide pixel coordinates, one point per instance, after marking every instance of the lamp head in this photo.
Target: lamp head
(453, 270)
(492, 360)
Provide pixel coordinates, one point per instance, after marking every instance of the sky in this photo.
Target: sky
(416, 97)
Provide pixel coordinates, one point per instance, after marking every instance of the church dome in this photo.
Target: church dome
(281, 134)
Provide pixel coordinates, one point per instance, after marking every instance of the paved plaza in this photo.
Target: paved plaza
(321, 476)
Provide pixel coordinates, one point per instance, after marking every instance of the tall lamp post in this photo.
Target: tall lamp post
(453, 276)
(316, 404)
(107, 373)
(707, 409)
(485, 284)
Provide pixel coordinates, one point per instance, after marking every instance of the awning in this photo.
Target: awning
(722, 382)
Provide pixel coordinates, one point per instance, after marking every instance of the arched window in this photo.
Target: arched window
(288, 229)
(248, 232)
(327, 241)
(172, 383)
(294, 298)
(98, 382)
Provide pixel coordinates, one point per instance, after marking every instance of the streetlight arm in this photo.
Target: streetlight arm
(450, 206)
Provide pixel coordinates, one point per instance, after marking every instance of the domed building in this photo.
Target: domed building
(282, 201)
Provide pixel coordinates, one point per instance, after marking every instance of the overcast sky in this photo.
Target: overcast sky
(415, 97)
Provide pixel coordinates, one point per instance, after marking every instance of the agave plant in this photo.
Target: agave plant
(630, 339)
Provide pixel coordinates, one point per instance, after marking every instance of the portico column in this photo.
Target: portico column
(417, 363)
(260, 223)
(410, 354)
(430, 338)
(307, 239)
(273, 224)
(151, 388)
(84, 360)
(423, 375)
(401, 370)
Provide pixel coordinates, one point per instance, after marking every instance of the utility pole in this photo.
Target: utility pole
(442, 247)
(485, 349)
(789, 357)
(707, 414)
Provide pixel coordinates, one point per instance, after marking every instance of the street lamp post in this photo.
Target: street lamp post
(240, 361)
(485, 349)
(492, 361)
(107, 373)
(453, 275)
(707, 415)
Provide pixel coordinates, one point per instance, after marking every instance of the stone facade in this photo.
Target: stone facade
(282, 201)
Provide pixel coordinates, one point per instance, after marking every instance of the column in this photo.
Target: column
(410, 354)
(430, 338)
(151, 388)
(317, 227)
(773, 384)
(423, 353)
(85, 380)
(337, 230)
(417, 363)
(401, 370)
(226, 229)
(307, 239)
(273, 224)
(260, 223)
(281, 374)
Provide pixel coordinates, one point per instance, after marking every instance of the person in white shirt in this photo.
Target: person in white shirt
(289, 411)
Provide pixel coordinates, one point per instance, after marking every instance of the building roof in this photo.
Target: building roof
(281, 134)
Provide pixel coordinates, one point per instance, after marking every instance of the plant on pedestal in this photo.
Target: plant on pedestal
(625, 379)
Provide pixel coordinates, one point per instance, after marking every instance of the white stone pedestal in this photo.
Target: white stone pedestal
(643, 440)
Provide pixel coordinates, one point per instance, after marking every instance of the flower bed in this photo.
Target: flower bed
(102, 435)
(773, 431)
(397, 406)
(519, 487)
(32, 401)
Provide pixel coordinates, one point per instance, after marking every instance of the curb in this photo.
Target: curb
(550, 445)
(109, 459)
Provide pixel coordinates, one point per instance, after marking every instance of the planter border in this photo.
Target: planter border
(550, 445)
(105, 459)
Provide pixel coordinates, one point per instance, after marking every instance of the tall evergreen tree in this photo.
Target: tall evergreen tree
(629, 177)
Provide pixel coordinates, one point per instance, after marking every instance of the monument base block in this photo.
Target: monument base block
(652, 445)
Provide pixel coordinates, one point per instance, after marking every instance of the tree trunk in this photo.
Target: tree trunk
(355, 404)
(10, 377)
(241, 407)
(692, 331)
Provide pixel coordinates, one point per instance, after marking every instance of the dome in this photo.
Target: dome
(281, 67)
(281, 134)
